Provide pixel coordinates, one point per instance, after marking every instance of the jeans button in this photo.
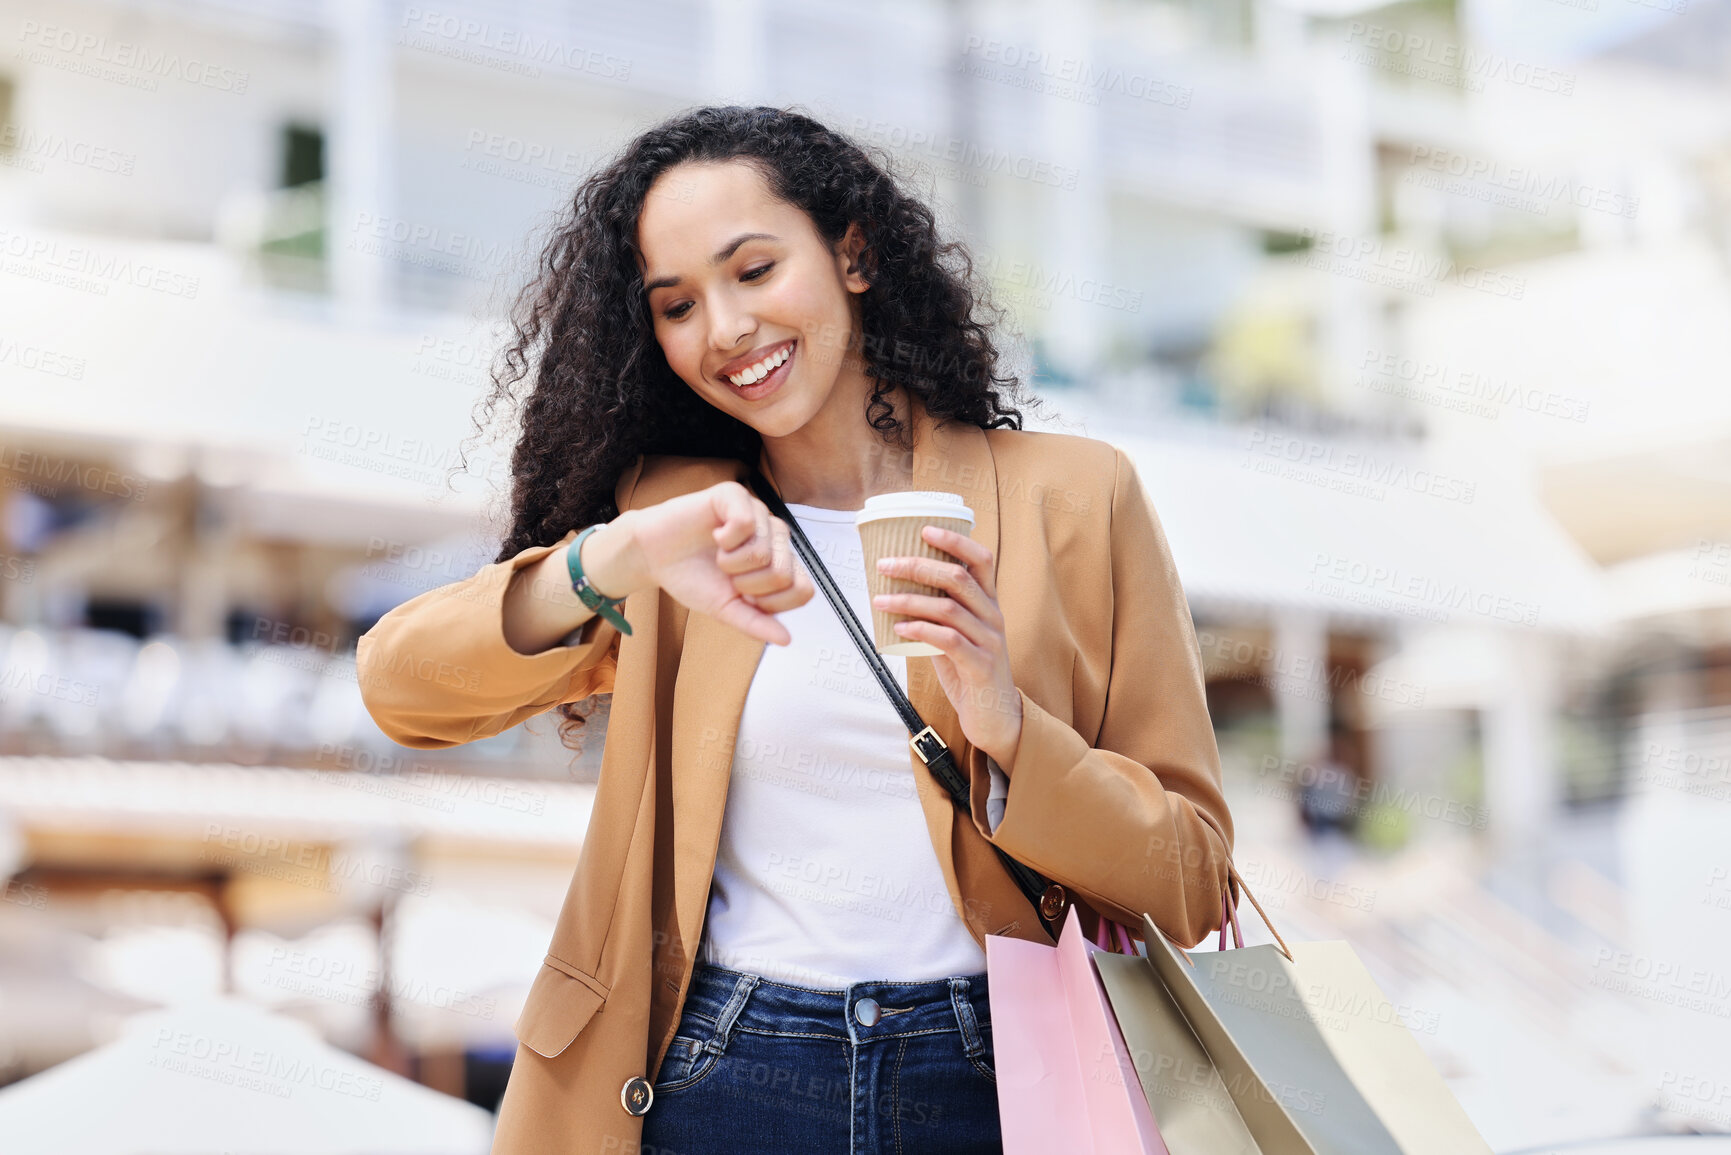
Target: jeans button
(866, 1011)
(636, 1095)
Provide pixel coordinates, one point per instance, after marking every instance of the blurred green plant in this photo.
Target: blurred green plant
(292, 243)
(1264, 351)
(1383, 828)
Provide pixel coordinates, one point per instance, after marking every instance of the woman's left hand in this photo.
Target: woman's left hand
(968, 626)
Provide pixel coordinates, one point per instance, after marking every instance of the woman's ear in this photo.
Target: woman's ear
(848, 257)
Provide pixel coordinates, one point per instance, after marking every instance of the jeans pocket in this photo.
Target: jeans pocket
(689, 1058)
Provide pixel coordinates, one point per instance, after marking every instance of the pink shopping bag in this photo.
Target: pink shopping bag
(1065, 1079)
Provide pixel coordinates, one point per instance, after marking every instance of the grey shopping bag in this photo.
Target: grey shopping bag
(1277, 1050)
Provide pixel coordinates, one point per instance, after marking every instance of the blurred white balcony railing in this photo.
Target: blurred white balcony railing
(83, 691)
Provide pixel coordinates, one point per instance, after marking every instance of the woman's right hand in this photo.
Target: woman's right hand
(720, 551)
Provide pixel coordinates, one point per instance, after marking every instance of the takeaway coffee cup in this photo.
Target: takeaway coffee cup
(889, 526)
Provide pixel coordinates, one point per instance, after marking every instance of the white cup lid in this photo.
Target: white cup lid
(914, 503)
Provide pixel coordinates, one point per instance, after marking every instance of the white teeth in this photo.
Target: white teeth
(760, 370)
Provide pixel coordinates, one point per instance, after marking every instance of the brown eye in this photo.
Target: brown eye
(757, 272)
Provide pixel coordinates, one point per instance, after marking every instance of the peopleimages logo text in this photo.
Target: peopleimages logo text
(89, 46)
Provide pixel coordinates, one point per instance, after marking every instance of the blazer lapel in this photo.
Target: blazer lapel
(715, 672)
(957, 458)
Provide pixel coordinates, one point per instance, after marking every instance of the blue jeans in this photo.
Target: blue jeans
(758, 1066)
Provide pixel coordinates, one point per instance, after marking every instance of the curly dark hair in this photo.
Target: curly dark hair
(602, 393)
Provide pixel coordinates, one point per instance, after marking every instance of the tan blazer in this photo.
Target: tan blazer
(1115, 789)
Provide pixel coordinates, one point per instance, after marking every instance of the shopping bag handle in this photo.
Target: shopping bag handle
(1229, 913)
(1120, 934)
(1229, 916)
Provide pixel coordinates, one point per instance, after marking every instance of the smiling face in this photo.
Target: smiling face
(742, 283)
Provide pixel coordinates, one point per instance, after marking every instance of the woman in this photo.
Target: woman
(774, 938)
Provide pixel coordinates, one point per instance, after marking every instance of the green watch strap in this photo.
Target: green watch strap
(586, 593)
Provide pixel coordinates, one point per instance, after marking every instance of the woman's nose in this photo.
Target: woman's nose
(728, 332)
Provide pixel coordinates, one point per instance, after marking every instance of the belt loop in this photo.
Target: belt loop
(972, 1044)
(717, 1042)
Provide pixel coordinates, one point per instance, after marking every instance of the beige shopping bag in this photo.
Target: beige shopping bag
(1277, 1050)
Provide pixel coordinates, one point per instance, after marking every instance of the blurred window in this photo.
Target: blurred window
(140, 619)
(303, 155)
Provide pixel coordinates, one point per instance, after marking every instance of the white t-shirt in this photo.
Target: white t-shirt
(825, 873)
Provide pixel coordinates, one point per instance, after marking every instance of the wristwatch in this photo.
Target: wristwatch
(586, 593)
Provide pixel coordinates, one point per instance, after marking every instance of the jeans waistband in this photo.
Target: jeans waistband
(731, 1000)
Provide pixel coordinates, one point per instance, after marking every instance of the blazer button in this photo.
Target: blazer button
(636, 1095)
(866, 1011)
(1052, 903)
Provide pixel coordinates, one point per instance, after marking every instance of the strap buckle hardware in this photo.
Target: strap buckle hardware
(936, 737)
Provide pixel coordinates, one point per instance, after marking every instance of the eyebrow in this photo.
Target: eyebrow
(721, 254)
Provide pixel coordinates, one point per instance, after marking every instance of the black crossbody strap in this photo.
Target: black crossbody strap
(1047, 898)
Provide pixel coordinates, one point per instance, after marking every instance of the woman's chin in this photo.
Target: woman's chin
(787, 416)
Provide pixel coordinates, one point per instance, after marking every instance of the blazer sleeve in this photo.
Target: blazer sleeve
(1137, 822)
(437, 671)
